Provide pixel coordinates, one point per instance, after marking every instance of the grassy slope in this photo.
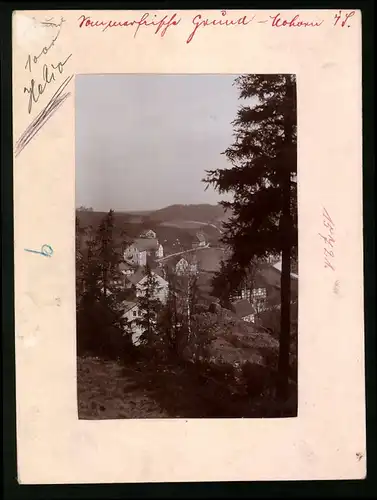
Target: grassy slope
(142, 389)
(104, 392)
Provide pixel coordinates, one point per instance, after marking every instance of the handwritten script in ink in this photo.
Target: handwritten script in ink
(328, 237)
(46, 251)
(161, 25)
(47, 75)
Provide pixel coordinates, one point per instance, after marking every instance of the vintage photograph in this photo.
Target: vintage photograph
(186, 246)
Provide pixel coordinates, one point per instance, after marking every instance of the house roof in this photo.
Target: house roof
(278, 265)
(200, 236)
(137, 276)
(144, 233)
(128, 305)
(183, 260)
(207, 259)
(243, 308)
(189, 258)
(124, 266)
(145, 244)
(140, 273)
(171, 261)
(270, 276)
(158, 271)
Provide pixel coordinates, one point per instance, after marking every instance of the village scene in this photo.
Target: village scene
(170, 324)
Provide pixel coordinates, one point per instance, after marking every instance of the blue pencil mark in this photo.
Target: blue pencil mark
(46, 250)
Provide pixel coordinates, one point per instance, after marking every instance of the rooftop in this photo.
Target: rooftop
(124, 266)
(200, 236)
(144, 234)
(188, 257)
(140, 273)
(243, 308)
(277, 266)
(128, 305)
(145, 244)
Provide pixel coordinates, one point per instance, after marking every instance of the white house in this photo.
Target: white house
(200, 240)
(139, 279)
(131, 311)
(160, 251)
(148, 233)
(181, 267)
(133, 255)
(131, 314)
(137, 252)
(186, 265)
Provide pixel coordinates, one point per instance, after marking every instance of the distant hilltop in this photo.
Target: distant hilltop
(200, 213)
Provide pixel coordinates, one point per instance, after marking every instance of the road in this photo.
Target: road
(199, 223)
(206, 224)
(181, 253)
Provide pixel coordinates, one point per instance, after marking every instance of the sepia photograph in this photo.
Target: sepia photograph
(186, 246)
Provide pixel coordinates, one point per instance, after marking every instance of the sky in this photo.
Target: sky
(143, 142)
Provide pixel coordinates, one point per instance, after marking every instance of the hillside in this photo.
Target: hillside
(91, 218)
(201, 213)
(204, 213)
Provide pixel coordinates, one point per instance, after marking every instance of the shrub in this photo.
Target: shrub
(256, 378)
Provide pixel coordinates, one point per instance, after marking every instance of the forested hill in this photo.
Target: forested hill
(200, 213)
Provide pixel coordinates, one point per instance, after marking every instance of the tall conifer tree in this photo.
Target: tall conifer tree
(149, 306)
(262, 179)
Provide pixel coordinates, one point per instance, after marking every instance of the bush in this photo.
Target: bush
(99, 334)
(257, 378)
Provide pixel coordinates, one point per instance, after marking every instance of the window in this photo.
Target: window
(259, 293)
(258, 298)
(134, 313)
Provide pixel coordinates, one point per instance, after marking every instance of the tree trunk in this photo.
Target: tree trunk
(285, 320)
(286, 245)
(104, 277)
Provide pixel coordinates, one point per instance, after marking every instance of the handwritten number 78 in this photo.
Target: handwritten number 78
(341, 19)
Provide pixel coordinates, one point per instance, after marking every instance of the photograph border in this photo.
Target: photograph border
(219, 489)
(94, 356)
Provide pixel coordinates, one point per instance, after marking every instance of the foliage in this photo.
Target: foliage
(82, 208)
(203, 328)
(108, 258)
(80, 265)
(171, 321)
(149, 306)
(259, 158)
(100, 322)
(100, 329)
